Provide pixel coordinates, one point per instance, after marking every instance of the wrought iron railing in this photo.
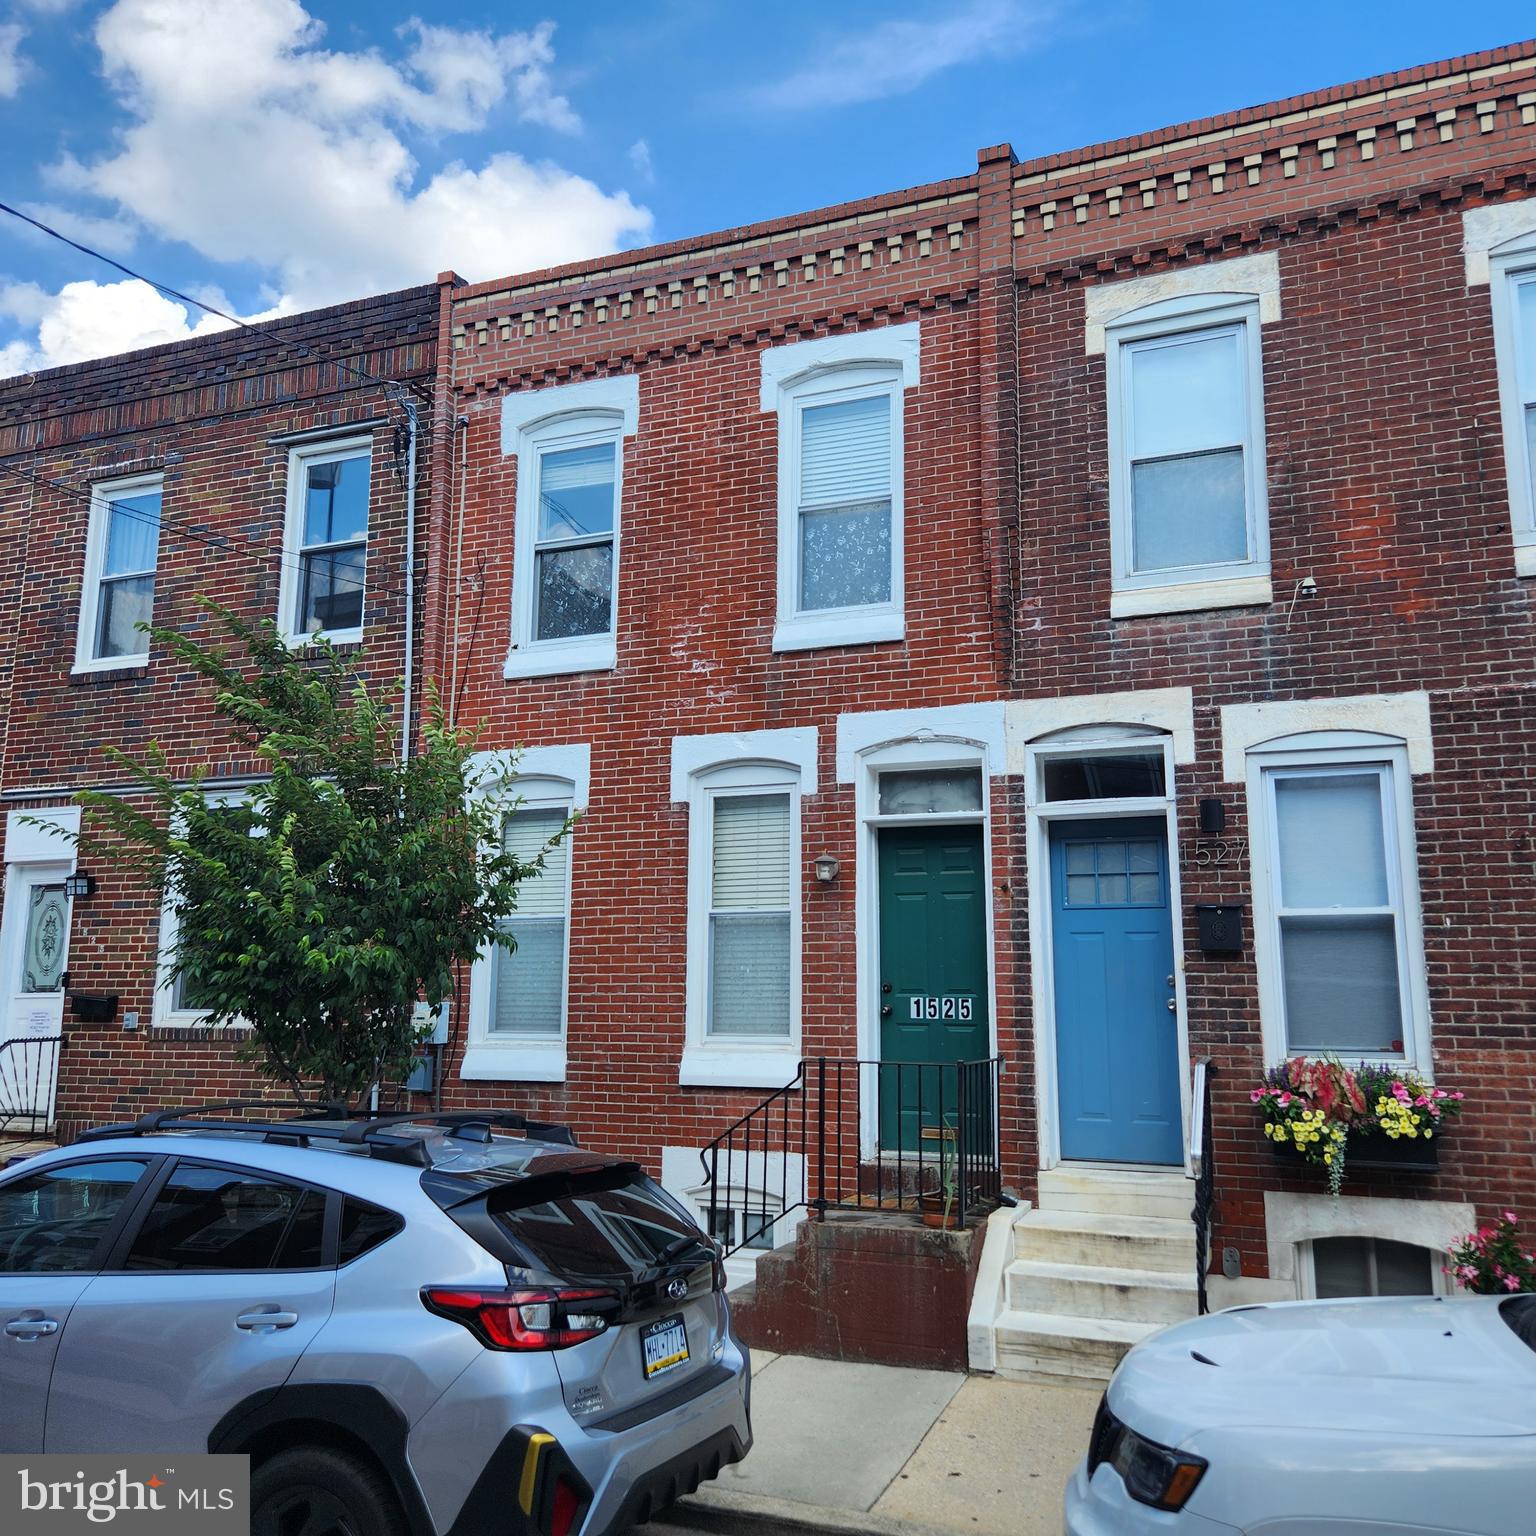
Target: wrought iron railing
(28, 1070)
(1202, 1167)
(848, 1134)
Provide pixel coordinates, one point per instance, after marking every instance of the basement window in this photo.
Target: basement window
(1370, 1266)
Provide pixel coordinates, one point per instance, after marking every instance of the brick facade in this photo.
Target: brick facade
(1386, 489)
(212, 416)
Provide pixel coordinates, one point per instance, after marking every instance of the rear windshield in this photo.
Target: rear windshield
(599, 1226)
(1520, 1313)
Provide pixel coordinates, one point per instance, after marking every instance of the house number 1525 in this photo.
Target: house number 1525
(941, 1007)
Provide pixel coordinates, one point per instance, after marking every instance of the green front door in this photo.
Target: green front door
(933, 976)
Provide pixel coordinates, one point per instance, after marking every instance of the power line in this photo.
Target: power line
(185, 298)
(222, 545)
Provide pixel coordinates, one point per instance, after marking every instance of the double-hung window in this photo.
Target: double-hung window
(325, 556)
(528, 992)
(569, 445)
(118, 593)
(1189, 521)
(519, 999)
(744, 892)
(751, 913)
(1513, 277)
(1340, 943)
(840, 403)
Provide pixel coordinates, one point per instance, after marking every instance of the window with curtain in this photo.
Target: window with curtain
(528, 985)
(750, 915)
(119, 589)
(1337, 894)
(1186, 433)
(843, 545)
(573, 542)
(333, 542)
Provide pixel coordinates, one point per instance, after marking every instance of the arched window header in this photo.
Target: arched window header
(613, 401)
(1183, 290)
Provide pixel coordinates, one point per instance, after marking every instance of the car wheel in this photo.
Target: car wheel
(313, 1491)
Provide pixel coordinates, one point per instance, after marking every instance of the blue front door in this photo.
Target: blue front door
(1117, 1037)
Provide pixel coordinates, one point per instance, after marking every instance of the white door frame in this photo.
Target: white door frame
(1041, 815)
(929, 751)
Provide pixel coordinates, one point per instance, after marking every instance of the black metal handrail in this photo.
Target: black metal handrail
(1202, 1165)
(934, 1147)
(28, 1068)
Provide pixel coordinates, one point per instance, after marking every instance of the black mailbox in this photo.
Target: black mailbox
(93, 1007)
(1221, 929)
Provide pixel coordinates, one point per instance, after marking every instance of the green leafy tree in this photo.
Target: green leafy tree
(341, 887)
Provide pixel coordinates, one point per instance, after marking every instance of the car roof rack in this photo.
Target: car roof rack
(335, 1123)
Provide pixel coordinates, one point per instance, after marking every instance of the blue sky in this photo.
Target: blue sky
(270, 155)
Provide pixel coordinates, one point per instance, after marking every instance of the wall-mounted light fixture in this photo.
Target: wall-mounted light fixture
(826, 868)
(80, 884)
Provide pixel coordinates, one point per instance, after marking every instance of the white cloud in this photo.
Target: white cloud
(91, 319)
(13, 68)
(640, 159)
(249, 141)
(897, 56)
(115, 236)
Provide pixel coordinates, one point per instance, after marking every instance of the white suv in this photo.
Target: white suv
(415, 1326)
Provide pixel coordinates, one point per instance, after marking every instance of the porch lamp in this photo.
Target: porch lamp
(80, 884)
(826, 868)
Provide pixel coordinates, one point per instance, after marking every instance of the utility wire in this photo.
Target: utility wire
(215, 542)
(186, 298)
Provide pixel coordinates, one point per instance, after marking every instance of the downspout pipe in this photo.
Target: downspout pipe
(411, 427)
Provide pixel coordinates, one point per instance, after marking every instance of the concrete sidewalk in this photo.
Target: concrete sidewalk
(873, 1448)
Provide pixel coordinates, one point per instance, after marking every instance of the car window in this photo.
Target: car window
(216, 1218)
(363, 1228)
(1520, 1313)
(615, 1223)
(53, 1221)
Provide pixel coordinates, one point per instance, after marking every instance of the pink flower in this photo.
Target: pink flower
(1511, 1218)
(1458, 1094)
(1285, 1101)
(1256, 1095)
(1511, 1284)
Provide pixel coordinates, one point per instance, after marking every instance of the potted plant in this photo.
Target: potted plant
(1493, 1260)
(937, 1206)
(1370, 1116)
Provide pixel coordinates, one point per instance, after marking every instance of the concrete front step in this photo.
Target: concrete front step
(1115, 1192)
(1113, 1242)
(1045, 1347)
(1092, 1291)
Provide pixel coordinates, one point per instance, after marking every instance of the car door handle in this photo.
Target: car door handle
(30, 1327)
(262, 1322)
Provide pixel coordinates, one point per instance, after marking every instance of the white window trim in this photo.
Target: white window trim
(103, 494)
(541, 421)
(737, 1061)
(820, 372)
(164, 1014)
(1187, 588)
(546, 778)
(1345, 750)
(1514, 264)
(300, 457)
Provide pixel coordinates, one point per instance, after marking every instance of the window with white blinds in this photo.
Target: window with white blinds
(528, 986)
(1339, 930)
(1188, 504)
(750, 916)
(844, 514)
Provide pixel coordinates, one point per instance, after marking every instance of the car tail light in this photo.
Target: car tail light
(525, 1319)
(567, 1504)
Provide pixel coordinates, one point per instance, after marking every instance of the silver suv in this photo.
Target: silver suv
(415, 1326)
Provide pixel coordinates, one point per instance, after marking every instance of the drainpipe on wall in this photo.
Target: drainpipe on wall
(411, 423)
